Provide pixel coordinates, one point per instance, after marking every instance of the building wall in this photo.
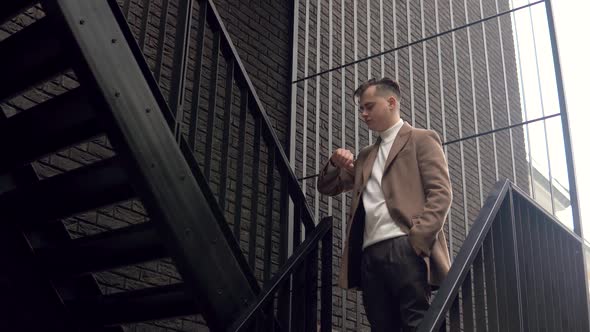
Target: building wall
(260, 31)
(438, 93)
(459, 84)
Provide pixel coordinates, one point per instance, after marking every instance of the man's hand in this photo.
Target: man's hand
(343, 158)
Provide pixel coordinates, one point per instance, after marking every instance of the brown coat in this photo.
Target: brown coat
(417, 192)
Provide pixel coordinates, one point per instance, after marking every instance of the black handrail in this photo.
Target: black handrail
(251, 106)
(322, 232)
(221, 42)
(494, 244)
(481, 134)
(214, 20)
(464, 259)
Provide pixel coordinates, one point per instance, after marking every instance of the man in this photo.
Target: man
(395, 249)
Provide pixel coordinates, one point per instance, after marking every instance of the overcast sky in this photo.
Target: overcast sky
(572, 27)
(538, 92)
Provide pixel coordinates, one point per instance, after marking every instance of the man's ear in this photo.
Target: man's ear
(392, 101)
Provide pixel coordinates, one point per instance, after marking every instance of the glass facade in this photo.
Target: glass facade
(481, 73)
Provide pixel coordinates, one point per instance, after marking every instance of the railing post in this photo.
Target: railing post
(513, 248)
(311, 291)
(564, 122)
(326, 292)
(197, 76)
(565, 125)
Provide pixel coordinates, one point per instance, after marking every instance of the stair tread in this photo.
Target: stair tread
(137, 305)
(34, 54)
(45, 128)
(112, 249)
(80, 190)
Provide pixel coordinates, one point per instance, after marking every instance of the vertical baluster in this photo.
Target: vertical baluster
(296, 223)
(532, 283)
(229, 91)
(455, 315)
(311, 287)
(578, 285)
(467, 296)
(538, 264)
(298, 294)
(144, 23)
(326, 292)
(284, 294)
(269, 321)
(511, 252)
(501, 267)
(240, 171)
(196, 96)
(566, 288)
(562, 300)
(270, 185)
(522, 260)
(570, 282)
(479, 292)
(582, 284)
(284, 216)
(298, 298)
(549, 272)
(126, 6)
(212, 103)
(161, 39)
(491, 286)
(180, 61)
(254, 203)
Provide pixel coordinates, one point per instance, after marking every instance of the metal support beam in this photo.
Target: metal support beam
(9, 9)
(34, 54)
(50, 126)
(135, 306)
(565, 124)
(105, 251)
(64, 195)
(161, 174)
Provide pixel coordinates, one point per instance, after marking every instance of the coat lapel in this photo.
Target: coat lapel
(400, 141)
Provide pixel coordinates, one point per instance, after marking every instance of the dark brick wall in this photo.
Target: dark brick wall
(464, 96)
(260, 31)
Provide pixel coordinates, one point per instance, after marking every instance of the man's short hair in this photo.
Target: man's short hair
(384, 87)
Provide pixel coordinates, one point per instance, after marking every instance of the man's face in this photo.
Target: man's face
(377, 111)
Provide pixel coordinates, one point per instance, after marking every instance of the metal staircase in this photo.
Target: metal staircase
(48, 276)
(519, 269)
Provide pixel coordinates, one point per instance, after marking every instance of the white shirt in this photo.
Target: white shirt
(379, 225)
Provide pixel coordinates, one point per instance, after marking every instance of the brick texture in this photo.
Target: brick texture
(454, 104)
(260, 32)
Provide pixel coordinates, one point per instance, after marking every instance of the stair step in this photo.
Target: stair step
(9, 9)
(32, 55)
(63, 195)
(135, 306)
(50, 126)
(122, 247)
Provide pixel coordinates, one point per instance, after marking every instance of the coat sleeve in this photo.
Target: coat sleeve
(333, 180)
(434, 173)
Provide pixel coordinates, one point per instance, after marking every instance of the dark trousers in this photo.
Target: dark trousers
(394, 283)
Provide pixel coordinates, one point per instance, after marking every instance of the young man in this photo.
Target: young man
(395, 249)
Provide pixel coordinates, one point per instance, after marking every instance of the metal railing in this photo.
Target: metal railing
(244, 166)
(303, 265)
(220, 136)
(518, 270)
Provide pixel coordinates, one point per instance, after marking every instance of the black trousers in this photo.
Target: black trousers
(395, 287)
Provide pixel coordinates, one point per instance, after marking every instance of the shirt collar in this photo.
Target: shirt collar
(389, 134)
